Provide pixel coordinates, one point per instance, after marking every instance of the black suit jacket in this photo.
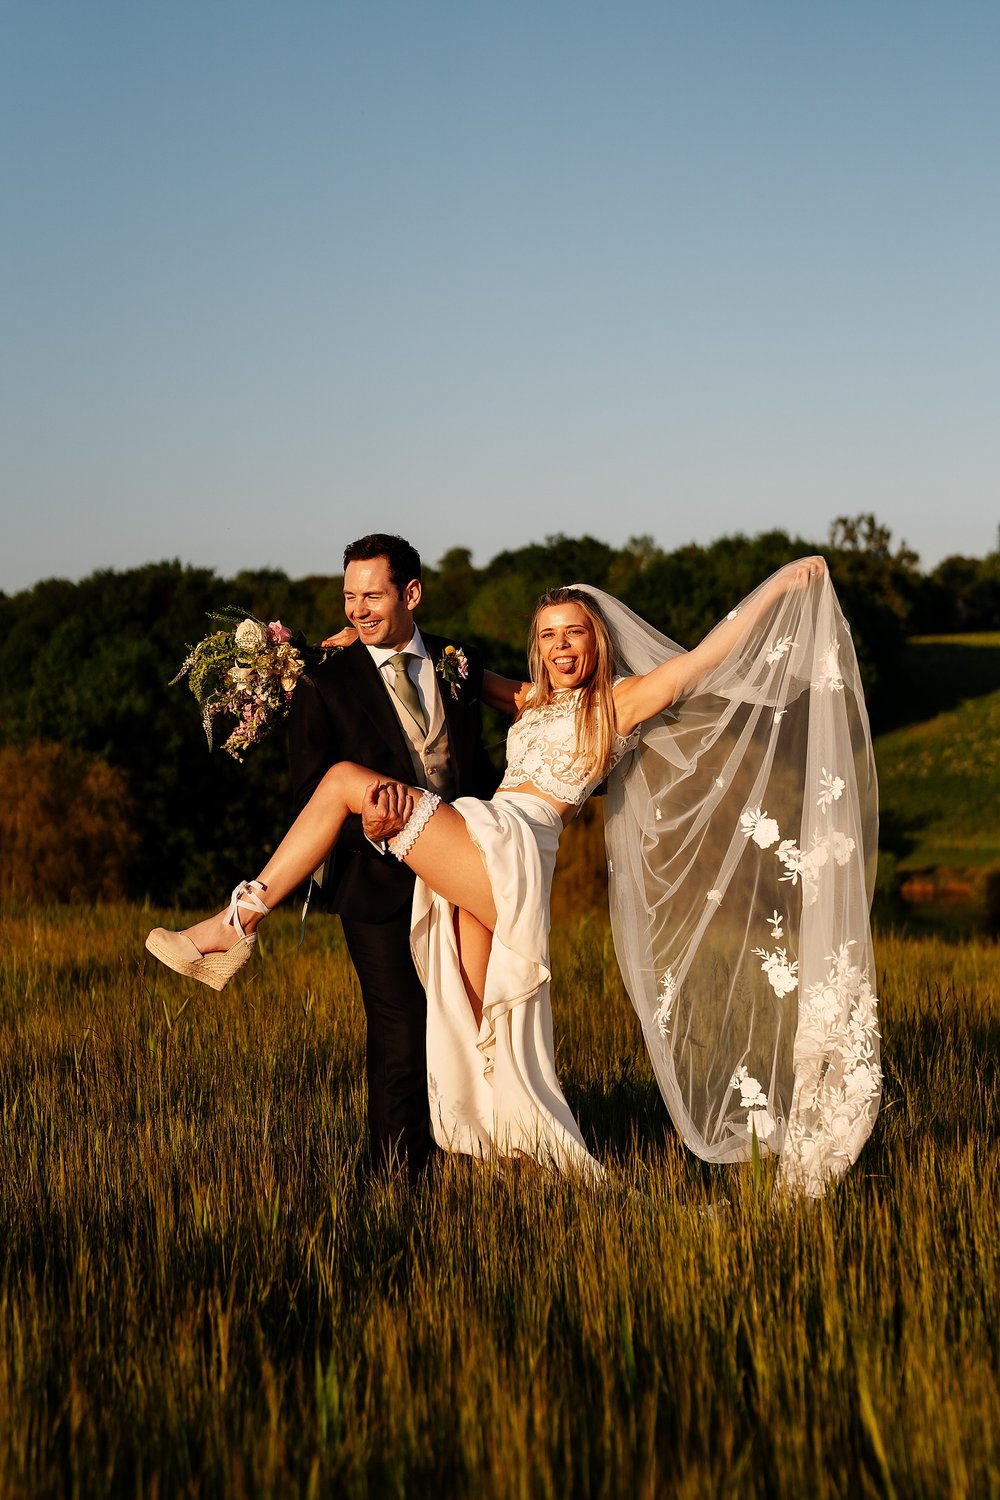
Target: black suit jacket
(341, 710)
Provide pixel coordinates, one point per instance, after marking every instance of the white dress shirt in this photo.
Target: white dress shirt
(423, 679)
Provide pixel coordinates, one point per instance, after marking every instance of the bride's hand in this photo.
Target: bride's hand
(800, 574)
(345, 637)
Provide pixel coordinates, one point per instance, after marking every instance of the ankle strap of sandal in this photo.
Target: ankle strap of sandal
(245, 895)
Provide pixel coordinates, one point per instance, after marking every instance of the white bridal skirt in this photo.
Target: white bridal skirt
(493, 1089)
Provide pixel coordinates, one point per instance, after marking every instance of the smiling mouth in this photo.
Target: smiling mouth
(564, 663)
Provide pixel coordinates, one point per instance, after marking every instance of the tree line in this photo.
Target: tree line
(106, 787)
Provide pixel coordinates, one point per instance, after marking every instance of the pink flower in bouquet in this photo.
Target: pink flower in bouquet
(278, 632)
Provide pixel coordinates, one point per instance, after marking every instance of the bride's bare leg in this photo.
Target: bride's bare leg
(474, 944)
(443, 855)
(447, 860)
(302, 850)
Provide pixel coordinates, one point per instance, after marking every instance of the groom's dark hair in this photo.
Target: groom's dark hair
(403, 560)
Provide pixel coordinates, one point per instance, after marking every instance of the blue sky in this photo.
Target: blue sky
(275, 275)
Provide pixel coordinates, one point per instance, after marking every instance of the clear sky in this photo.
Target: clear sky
(277, 274)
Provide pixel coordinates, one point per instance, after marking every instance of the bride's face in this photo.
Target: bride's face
(567, 643)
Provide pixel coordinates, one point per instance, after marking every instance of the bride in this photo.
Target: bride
(740, 778)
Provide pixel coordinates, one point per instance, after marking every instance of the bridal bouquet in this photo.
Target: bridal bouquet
(247, 670)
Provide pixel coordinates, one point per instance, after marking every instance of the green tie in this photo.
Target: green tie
(405, 690)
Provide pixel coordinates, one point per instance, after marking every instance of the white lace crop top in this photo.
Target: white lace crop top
(542, 749)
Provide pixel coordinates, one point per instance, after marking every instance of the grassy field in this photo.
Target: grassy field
(202, 1294)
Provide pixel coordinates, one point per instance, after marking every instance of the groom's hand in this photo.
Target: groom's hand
(385, 810)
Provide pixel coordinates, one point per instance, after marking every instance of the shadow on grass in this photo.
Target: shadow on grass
(942, 1077)
(620, 1114)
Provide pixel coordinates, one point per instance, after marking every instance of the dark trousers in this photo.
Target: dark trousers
(396, 1048)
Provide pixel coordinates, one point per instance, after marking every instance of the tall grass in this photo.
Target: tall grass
(202, 1292)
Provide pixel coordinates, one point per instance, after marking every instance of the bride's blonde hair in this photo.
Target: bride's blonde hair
(595, 709)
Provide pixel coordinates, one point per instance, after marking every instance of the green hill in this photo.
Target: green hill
(939, 779)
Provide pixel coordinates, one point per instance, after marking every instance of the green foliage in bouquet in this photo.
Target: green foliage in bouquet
(248, 671)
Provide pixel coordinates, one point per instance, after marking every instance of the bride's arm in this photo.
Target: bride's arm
(639, 698)
(504, 693)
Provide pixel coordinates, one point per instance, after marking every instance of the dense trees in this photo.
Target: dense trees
(67, 828)
(95, 740)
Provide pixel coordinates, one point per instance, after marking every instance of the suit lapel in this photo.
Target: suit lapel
(371, 697)
(438, 698)
(452, 708)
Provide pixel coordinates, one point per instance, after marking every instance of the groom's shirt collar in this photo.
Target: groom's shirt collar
(381, 654)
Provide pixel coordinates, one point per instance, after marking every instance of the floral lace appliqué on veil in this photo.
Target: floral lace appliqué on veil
(758, 869)
(838, 1077)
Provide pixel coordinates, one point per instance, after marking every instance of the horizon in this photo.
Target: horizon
(434, 566)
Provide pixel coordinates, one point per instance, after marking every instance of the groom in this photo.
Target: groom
(388, 702)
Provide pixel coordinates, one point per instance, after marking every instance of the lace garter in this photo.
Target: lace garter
(415, 824)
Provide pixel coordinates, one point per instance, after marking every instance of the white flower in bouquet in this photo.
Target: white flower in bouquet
(288, 665)
(250, 635)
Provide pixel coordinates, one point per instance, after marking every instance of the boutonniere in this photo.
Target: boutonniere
(453, 667)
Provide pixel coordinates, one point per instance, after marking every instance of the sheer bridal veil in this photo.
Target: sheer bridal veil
(742, 840)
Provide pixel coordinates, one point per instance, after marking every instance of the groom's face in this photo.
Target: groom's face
(381, 613)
